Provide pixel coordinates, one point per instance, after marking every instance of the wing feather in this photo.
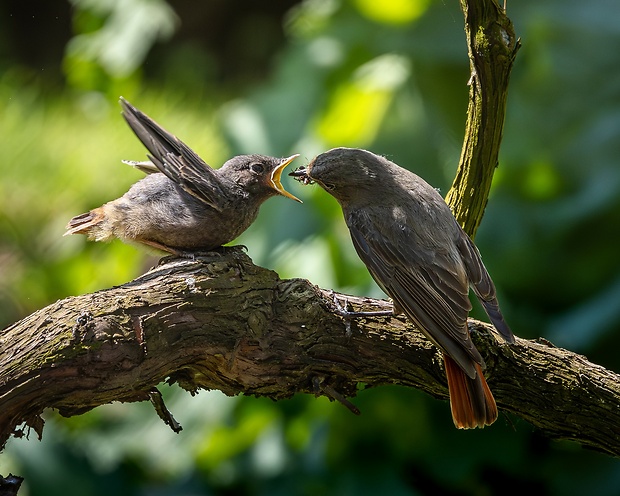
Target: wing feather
(175, 159)
(426, 285)
(483, 286)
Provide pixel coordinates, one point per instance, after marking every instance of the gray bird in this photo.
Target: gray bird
(416, 251)
(182, 204)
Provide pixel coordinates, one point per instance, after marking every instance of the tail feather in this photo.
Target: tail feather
(471, 401)
(84, 223)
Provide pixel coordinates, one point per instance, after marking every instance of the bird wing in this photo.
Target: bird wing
(145, 166)
(175, 159)
(483, 286)
(423, 283)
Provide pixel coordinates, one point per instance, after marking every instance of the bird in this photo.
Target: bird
(183, 205)
(416, 251)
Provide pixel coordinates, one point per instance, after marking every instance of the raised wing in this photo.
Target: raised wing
(174, 158)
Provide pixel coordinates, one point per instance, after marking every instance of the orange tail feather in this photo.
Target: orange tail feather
(471, 400)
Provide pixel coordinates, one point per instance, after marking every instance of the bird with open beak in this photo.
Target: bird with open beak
(416, 251)
(183, 205)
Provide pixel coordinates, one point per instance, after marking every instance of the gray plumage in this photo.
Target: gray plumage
(183, 204)
(412, 245)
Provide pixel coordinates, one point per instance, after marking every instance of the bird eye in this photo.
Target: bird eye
(256, 167)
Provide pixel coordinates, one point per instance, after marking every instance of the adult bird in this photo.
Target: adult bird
(416, 251)
(183, 205)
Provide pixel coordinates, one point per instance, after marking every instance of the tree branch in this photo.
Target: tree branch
(221, 322)
(492, 47)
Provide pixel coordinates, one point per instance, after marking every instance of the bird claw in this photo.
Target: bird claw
(348, 315)
(343, 311)
(220, 251)
(340, 310)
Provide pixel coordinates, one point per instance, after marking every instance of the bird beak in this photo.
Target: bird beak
(277, 174)
(301, 175)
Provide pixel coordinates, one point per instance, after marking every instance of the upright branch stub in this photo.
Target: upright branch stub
(492, 47)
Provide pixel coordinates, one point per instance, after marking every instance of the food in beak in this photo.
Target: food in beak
(301, 174)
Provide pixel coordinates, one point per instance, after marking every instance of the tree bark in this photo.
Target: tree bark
(492, 46)
(221, 322)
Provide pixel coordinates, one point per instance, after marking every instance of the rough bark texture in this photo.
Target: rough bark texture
(492, 46)
(223, 323)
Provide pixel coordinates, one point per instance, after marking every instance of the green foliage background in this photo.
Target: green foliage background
(287, 77)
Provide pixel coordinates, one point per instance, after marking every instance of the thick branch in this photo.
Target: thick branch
(492, 47)
(223, 323)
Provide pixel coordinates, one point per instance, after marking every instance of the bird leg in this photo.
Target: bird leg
(220, 251)
(348, 315)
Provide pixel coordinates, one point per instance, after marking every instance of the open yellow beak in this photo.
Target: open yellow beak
(277, 174)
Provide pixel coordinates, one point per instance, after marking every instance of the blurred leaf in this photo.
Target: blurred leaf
(393, 11)
(542, 181)
(310, 17)
(112, 39)
(358, 107)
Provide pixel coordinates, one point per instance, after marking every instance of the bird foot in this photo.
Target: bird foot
(345, 313)
(220, 251)
(187, 255)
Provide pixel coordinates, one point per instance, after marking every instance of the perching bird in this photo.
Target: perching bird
(415, 250)
(183, 204)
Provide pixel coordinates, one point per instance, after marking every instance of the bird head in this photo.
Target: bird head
(259, 174)
(342, 172)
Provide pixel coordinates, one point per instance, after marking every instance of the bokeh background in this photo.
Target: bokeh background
(283, 77)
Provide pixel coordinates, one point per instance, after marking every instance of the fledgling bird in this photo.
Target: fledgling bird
(182, 204)
(416, 251)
